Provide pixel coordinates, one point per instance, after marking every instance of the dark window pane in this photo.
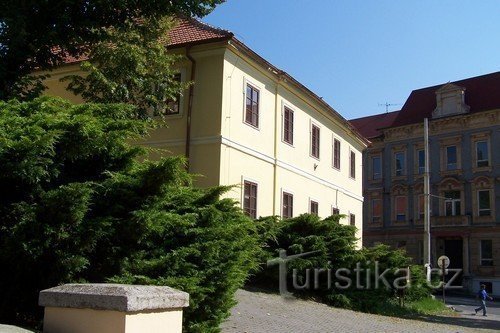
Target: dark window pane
(314, 207)
(252, 106)
(377, 167)
(421, 161)
(451, 158)
(482, 154)
(250, 199)
(336, 153)
(487, 252)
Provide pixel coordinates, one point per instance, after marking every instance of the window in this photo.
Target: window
(452, 203)
(486, 252)
(335, 211)
(399, 160)
(250, 199)
(376, 167)
(482, 154)
(288, 125)
(313, 207)
(421, 161)
(376, 210)
(252, 106)
(315, 141)
(287, 205)
(484, 202)
(352, 163)
(174, 104)
(400, 208)
(352, 219)
(421, 200)
(336, 154)
(451, 157)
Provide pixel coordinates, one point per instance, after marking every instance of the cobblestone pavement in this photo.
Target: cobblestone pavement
(259, 312)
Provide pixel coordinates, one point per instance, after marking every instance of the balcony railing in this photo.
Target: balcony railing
(450, 221)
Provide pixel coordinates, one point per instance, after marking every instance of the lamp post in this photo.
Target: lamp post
(427, 204)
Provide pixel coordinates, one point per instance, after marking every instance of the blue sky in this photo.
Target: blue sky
(359, 53)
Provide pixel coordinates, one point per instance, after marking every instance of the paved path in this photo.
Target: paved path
(466, 305)
(259, 312)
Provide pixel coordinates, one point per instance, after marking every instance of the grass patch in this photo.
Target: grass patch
(412, 310)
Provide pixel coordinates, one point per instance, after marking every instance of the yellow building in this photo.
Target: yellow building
(245, 122)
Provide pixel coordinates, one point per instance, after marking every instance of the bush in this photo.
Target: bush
(77, 205)
(334, 247)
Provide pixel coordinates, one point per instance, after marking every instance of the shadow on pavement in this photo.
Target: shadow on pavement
(472, 322)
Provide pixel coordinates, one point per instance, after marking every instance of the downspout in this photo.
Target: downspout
(190, 106)
(277, 121)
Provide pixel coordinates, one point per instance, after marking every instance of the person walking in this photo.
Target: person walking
(483, 296)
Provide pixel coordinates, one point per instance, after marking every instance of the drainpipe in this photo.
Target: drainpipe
(190, 105)
(277, 122)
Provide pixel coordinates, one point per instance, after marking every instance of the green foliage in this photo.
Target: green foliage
(77, 205)
(131, 65)
(29, 29)
(333, 247)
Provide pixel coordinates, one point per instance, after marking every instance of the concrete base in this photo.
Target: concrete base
(62, 320)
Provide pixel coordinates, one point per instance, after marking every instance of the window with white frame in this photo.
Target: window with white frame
(352, 219)
(252, 99)
(486, 252)
(451, 157)
(401, 204)
(313, 207)
(421, 161)
(336, 154)
(315, 136)
(482, 154)
(352, 164)
(250, 199)
(288, 125)
(174, 104)
(335, 211)
(421, 205)
(287, 205)
(376, 167)
(452, 203)
(376, 210)
(484, 203)
(399, 163)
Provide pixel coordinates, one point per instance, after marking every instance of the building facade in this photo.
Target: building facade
(464, 146)
(244, 122)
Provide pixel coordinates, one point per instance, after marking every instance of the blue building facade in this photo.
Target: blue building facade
(464, 146)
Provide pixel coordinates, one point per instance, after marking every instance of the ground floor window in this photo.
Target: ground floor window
(352, 219)
(287, 209)
(313, 207)
(250, 199)
(486, 252)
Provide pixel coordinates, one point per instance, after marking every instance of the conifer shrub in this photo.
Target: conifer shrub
(332, 248)
(78, 205)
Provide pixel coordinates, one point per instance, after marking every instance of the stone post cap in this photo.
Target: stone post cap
(115, 297)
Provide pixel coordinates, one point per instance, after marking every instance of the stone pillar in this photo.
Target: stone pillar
(112, 308)
(465, 254)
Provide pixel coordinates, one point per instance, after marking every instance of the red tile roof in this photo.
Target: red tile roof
(369, 126)
(482, 93)
(189, 31)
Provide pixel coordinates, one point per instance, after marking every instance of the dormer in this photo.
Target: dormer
(450, 101)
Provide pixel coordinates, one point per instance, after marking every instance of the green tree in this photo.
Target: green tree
(77, 205)
(30, 29)
(131, 65)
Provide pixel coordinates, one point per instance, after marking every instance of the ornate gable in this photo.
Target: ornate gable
(450, 100)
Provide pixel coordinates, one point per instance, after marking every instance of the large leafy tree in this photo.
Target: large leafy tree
(131, 65)
(77, 204)
(30, 29)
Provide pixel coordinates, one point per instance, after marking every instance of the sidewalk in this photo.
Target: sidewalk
(259, 313)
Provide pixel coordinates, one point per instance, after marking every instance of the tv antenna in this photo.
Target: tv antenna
(387, 105)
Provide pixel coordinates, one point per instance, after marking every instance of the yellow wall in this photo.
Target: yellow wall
(226, 151)
(250, 153)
